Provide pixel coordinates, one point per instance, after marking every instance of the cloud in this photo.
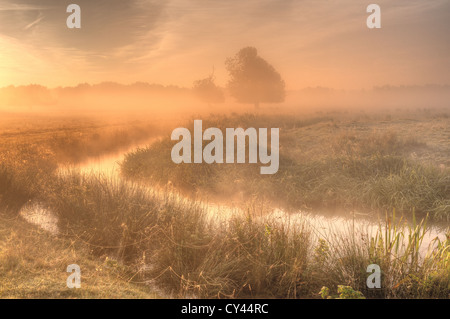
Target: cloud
(311, 42)
(35, 22)
(107, 25)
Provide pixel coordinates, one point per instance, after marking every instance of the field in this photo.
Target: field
(340, 162)
(150, 226)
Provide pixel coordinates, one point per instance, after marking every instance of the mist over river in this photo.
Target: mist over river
(331, 227)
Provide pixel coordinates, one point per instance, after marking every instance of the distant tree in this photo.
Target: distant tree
(253, 80)
(207, 90)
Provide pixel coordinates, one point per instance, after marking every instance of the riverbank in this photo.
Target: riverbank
(370, 165)
(33, 264)
(157, 236)
(177, 245)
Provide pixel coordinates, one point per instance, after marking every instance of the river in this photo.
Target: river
(322, 225)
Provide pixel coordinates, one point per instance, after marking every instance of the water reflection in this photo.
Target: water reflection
(322, 226)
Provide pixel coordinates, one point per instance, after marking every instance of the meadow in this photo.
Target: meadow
(147, 234)
(333, 162)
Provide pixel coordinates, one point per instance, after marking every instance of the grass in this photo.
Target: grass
(176, 244)
(127, 237)
(33, 265)
(107, 214)
(24, 174)
(239, 258)
(372, 170)
(187, 252)
(73, 147)
(395, 248)
(73, 139)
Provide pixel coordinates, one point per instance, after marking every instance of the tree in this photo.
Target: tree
(208, 91)
(253, 80)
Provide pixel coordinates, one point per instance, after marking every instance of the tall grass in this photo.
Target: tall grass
(73, 147)
(355, 172)
(242, 257)
(106, 213)
(178, 245)
(395, 247)
(187, 251)
(24, 175)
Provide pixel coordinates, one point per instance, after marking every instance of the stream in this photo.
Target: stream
(322, 225)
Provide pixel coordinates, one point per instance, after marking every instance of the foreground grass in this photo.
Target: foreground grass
(187, 251)
(33, 265)
(24, 176)
(139, 237)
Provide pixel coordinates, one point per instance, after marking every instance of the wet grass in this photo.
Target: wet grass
(125, 236)
(33, 264)
(179, 246)
(72, 139)
(176, 244)
(24, 176)
(74, 147)
(365, 171)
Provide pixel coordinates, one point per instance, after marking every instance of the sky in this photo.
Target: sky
(175, 42)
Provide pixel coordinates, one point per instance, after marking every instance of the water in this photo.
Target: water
(108, 165)
(333, 228)
(322, 226)
(37, 214)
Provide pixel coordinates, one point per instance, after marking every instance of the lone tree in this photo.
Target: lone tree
(207, 90)
(253, 80)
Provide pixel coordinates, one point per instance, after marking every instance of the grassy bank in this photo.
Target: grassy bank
(32, 261)
(144, 238)
(324, 164)
(72, 139)
(33, 265)
(180, 247)
(25, 172)
(126, 237)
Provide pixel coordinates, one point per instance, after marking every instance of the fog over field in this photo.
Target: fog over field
(232, 149)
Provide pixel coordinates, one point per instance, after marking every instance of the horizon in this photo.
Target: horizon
(155, 84)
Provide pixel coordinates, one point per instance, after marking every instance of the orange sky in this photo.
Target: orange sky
(310, 42)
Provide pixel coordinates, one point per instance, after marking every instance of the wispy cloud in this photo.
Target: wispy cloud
(35, 22)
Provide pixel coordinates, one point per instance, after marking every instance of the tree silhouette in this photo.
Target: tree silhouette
(253, 80)
(208, 91)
